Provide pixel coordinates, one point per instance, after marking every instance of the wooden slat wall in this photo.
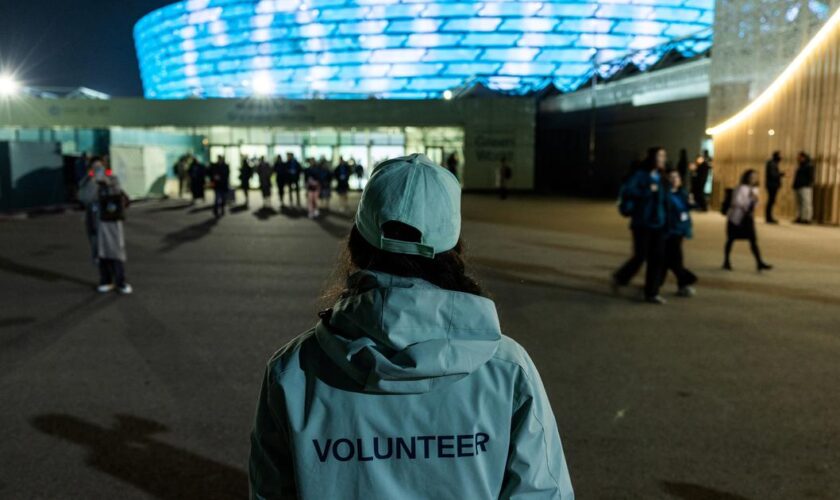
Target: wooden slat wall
(803, 115)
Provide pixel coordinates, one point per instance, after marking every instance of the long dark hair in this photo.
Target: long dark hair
(446, 270)
(649, 163)
(745, 177)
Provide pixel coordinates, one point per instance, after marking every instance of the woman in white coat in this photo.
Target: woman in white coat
(740, 223)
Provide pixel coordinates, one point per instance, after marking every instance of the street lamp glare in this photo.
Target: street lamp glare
(8, 85)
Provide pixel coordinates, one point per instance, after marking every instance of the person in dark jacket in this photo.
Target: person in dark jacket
(678, 228)
(198, 176)
(280, 178)
(324, 173)
(264, 172)
(698, 184)
(740, 223)
(773, 181)
(293, 171)
(246, 171)
(803, 184)
(682, 164)
(646, 188)
(342, 175)
(220, 177)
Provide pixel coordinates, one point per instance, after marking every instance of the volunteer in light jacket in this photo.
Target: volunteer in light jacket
(406, 387)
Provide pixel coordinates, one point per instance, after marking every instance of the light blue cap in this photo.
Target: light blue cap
(416, 191)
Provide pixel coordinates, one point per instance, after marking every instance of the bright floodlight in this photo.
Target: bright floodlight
(8, 86)
(262, 85)
(447, 94)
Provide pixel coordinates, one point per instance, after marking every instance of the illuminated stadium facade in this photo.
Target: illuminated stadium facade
(404, 49)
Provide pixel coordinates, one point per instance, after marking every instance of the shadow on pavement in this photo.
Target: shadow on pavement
(171, 208)
(688, 491)
(16, 321)
(337, 231)
(206, 208)
(190, 233)
(129, 452)
(265, 213)
(40, 274)
(292, 212)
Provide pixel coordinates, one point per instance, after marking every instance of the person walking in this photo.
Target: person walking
(313, 189)
(103, 197)
(452, 164)
(220, 177)
(325, 181)
(740, 220)
(698, 184)
(293, 171)
(504, 175)
(264, 172)
(803, 184)
(773, 181)
(246, 171)
(198, 176)
(179, 170)
(406, 387)
(682, 166)
(280, 178)
(678, 228)
(342, 175)
(644, 196)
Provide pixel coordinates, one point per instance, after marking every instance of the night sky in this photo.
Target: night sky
(72, 43)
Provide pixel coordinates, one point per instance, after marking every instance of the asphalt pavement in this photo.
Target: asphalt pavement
(730, 395)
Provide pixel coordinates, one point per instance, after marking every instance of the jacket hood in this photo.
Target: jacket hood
(404, 335)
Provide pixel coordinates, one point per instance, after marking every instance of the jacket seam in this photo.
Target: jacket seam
(537, 418)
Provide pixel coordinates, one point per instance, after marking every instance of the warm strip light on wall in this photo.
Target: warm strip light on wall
(816, 43)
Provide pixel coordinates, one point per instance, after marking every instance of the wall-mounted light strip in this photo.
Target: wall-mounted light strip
(816, 43)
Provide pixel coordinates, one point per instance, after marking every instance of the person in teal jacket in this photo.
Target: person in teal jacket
(679, 228)
(406, 388)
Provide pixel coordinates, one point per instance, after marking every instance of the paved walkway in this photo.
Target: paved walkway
(729, 395)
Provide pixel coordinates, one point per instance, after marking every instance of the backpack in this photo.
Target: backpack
(727, 201)
(112, 206)
(626, 204)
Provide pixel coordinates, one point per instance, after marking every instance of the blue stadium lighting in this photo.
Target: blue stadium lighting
(404, 48)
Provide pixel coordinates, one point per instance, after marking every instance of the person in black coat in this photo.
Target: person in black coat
(280, 178)
(198, 177)
(293, 172)
(803, 184)
(220, 177)
(246, 171)
(698, 184)
(773, 181)
(264, 171)
(342, 174)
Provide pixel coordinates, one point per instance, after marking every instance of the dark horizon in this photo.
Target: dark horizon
(87, 43)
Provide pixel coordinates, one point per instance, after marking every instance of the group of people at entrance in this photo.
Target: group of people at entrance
(320, 180)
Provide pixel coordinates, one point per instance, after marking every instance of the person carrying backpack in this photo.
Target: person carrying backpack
(406, 387)
(643, 198)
